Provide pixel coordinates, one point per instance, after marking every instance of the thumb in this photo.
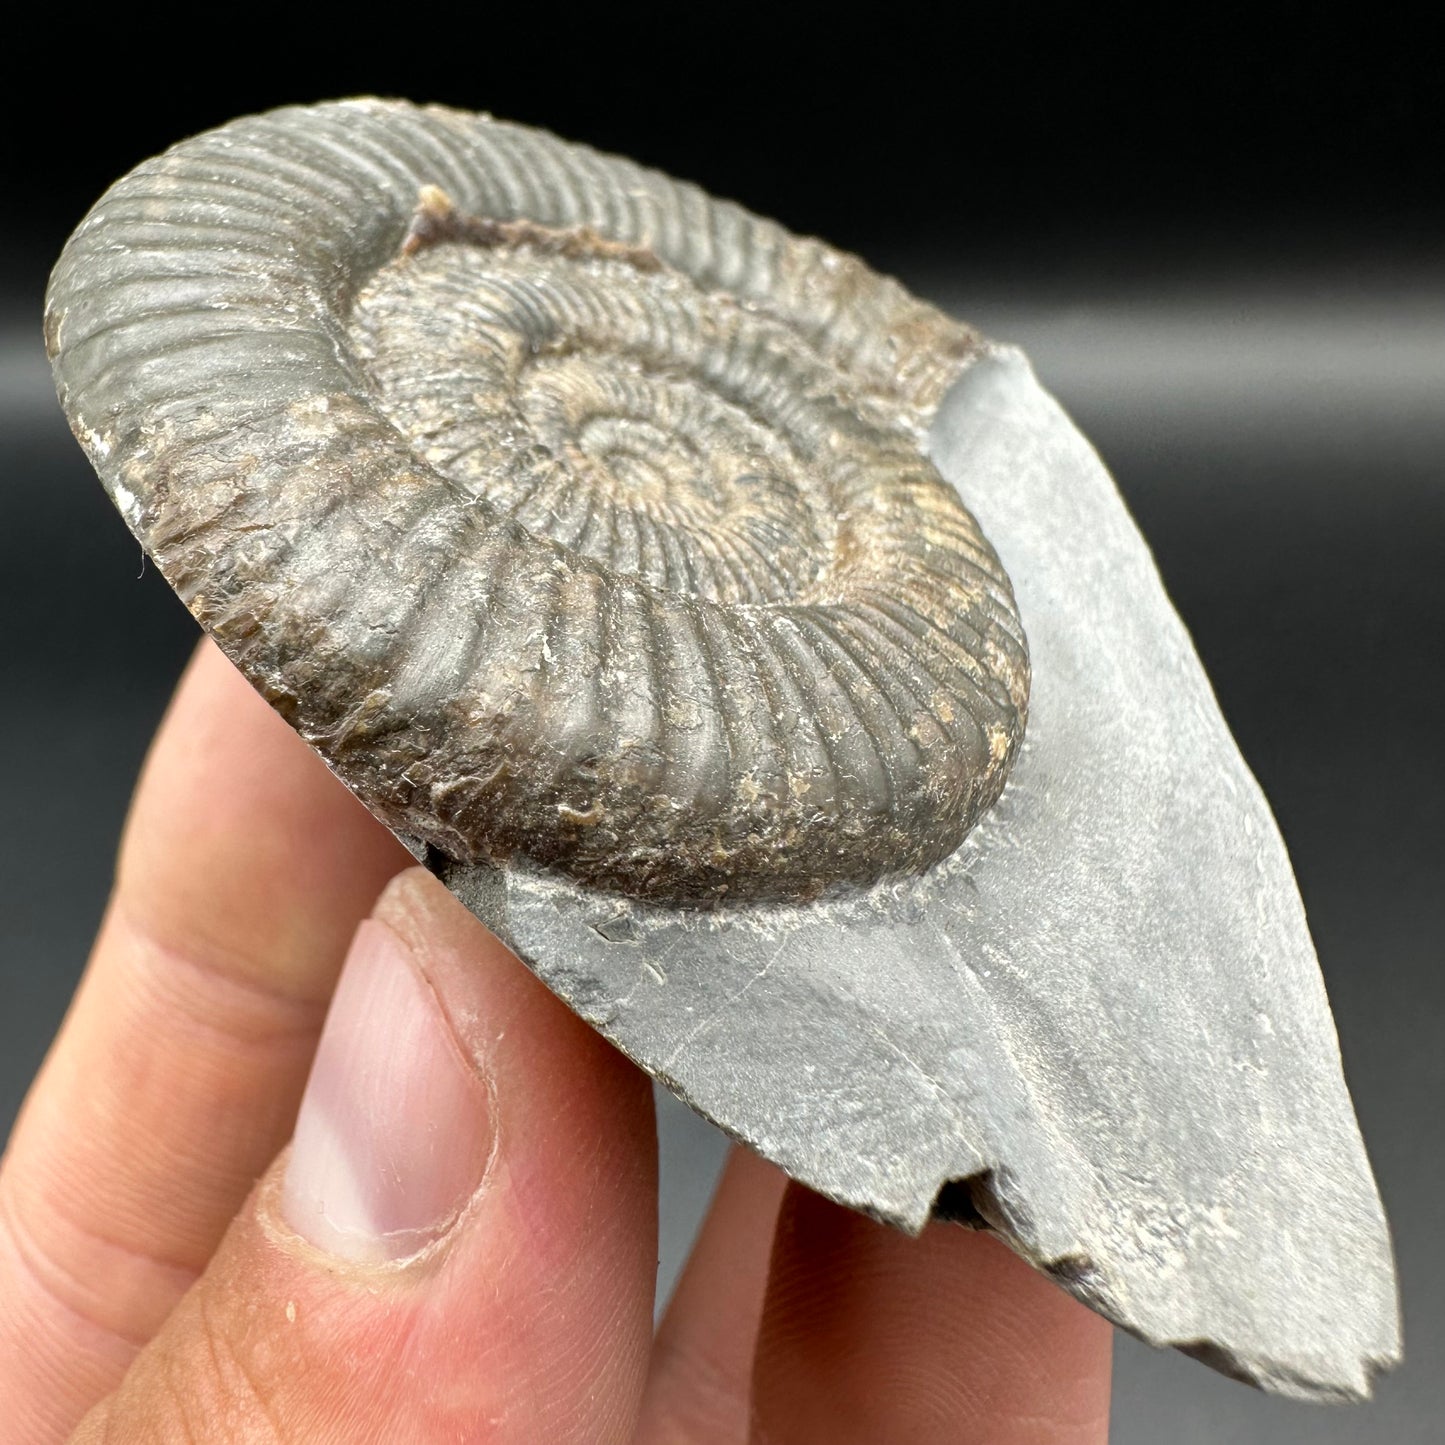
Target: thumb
(461, 1241)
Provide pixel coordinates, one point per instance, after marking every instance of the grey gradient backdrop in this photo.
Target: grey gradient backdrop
(1264, 381)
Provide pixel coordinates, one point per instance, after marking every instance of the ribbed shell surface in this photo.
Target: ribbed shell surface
(562, 508)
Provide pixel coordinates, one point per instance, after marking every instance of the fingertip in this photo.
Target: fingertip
(395, 1130)
(463, 1232)
(950, 1335)
(576, 1129)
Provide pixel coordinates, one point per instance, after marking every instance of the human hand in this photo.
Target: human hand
(461, 1242)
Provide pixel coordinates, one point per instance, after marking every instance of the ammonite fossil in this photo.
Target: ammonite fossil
(619, 550)
(565, 509)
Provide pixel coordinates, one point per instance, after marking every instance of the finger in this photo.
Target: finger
(868, 1335)
(462, 1242)
(175, 1077)
(701, 1375)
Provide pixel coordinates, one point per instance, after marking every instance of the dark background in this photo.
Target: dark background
(1219, 240)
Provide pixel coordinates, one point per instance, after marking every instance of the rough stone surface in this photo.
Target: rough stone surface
(1099, 1028)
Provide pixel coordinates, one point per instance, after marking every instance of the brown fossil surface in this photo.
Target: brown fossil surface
(565, 510)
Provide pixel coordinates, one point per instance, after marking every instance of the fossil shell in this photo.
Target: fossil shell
(564, 509)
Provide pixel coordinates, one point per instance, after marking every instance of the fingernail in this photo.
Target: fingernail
(394, 1130)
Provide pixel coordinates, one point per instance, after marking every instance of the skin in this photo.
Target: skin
(153, 1288)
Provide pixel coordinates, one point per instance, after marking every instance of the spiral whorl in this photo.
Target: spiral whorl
(566, 510)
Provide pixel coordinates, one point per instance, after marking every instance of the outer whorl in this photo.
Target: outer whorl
(564, 509)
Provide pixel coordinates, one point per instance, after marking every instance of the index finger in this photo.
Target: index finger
(869, 1335)
(243, 872)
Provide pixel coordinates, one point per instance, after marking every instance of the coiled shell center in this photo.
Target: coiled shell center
(618, 410)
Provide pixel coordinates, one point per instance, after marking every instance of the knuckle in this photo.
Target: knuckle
(61, 1264)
